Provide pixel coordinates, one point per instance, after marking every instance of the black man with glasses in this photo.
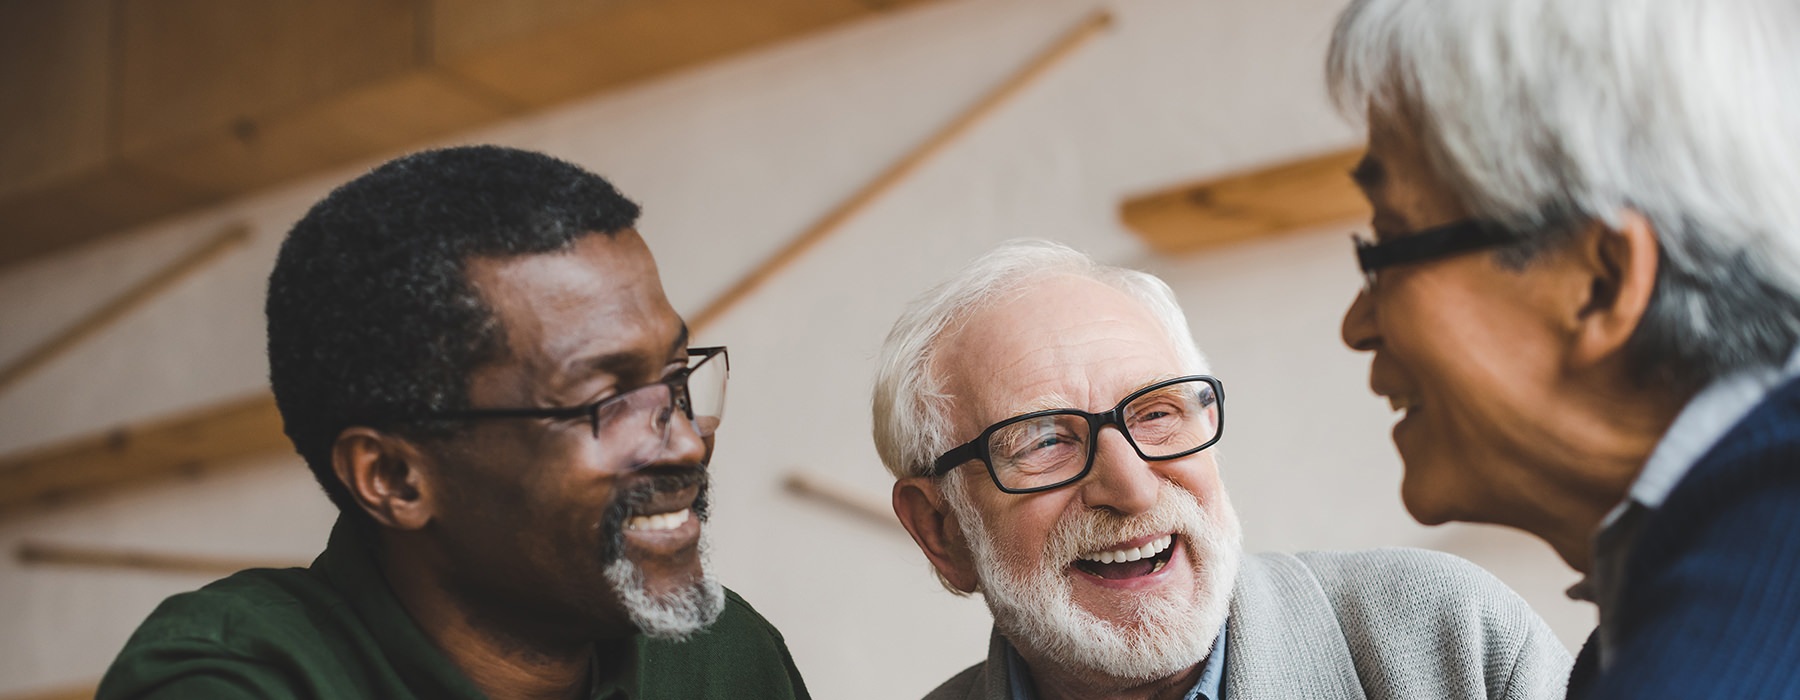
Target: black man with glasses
(472, 350)
(1052, 429)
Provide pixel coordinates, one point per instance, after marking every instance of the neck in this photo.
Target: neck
(1057, 681)
(506, 657)
(1585, 477)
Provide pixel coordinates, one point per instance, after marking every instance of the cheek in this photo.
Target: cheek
(1020, 529)
(1480, 354)
(1199, 475)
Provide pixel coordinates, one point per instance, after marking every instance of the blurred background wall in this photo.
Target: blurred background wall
(735, 139)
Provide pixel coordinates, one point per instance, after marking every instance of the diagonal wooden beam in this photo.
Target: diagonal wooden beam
(1040, 64)
(116, 308)
(141, 560)
(845, 498)
(84, 692)
(1291, 196)
(135, 454)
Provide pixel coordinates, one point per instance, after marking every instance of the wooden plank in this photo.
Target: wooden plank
(55, 554)
(135, 454)
(842, 497)
(210, 99)
(85, 207)
(383, 117)
(1291, 196)
(569, 54)
(1059, 49)
(55, 76)
(81, 692)
(193, 67)
(124, 303)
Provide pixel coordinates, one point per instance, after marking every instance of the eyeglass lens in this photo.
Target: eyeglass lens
(638, 422)
(1049, 449)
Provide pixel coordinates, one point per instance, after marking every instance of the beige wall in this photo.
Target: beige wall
(729, 161)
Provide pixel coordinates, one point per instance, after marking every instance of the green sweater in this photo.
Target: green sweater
(334, 630)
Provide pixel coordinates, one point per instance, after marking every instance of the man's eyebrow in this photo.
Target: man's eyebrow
(681, 340)
(1368, 173)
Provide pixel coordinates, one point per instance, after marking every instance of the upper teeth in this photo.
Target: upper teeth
(660, 521)
(1399, 403)
(1118, 556)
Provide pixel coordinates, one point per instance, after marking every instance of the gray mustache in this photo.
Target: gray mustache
(640, 489)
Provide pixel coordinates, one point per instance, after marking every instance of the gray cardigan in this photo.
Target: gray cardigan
(1385, 624)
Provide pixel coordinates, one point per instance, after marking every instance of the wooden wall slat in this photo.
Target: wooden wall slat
(139, 453)
(203, 100)
(1291, 196)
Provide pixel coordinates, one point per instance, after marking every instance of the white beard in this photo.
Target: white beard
(675, 615)
(1035, 607)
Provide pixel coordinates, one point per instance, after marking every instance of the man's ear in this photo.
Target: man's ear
(923, 511)
(1620, 266)
(385, 476)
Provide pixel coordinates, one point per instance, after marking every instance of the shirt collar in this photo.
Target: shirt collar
(1696, 430)
(1700, 425)
(349, 564)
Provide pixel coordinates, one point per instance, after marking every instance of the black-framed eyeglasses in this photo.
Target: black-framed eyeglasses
(639, 418)
(1043, 450)
(1437, 242)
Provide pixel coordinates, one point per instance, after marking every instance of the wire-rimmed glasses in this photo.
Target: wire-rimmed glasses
(638, 420)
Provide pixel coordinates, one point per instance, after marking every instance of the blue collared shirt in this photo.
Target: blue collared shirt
(1701, 424)
(1211, 685)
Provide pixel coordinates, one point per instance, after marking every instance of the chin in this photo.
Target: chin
(667, 609)
(1430, 501)
(1424, 496)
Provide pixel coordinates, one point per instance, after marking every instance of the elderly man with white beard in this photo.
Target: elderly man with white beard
(1048, 420)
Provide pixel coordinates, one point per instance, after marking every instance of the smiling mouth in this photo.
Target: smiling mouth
(1128, 562)
(659, 521)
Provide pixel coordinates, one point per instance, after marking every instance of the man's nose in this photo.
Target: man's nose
(1359, 329)
(680, 443)
(1120, 481)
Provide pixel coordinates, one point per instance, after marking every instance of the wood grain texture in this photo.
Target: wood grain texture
(567, 50)
(1290, 196)
(135, 454)
(381, 118)
(55, 78)
(132, 110)
(192, 67)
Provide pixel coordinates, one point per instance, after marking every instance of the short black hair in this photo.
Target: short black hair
(371, 315)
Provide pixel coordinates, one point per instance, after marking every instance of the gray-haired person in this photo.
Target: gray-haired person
(1584, 296)
(1048, 422)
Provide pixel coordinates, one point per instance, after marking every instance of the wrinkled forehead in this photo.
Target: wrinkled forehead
(1062, 342)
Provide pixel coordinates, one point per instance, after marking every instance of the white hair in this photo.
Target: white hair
(911, 426)
(1537, 113)
(675, 615)
(1033, 604)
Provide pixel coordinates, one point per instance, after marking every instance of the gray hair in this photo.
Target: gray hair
(911, 423)
(1538, 113)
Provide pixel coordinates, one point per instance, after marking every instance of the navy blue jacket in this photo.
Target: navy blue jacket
(1710, 605)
